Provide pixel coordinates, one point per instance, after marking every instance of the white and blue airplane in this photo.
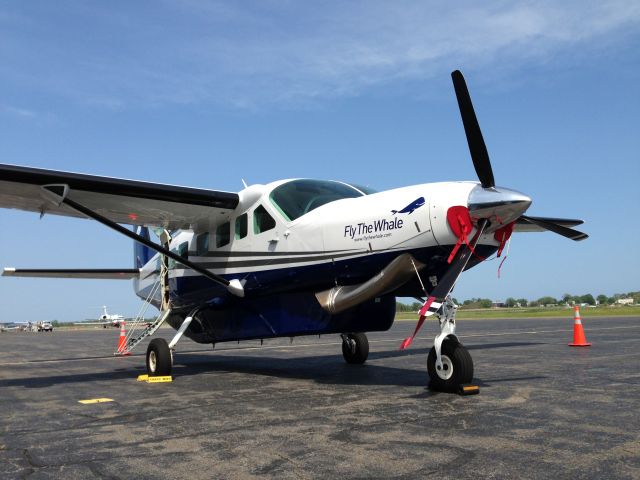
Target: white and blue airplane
(294, 257)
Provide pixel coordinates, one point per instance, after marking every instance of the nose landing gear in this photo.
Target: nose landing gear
(449, 363)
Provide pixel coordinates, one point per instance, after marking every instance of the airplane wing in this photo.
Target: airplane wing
(523, 225)
(122, 201)
(86, 273)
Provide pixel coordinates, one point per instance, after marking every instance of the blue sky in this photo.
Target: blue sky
(208, 93)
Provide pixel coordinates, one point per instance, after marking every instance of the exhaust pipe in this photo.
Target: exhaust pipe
(394, 275)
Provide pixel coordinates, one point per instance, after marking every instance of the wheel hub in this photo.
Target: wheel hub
(446, 371)
(152, 361)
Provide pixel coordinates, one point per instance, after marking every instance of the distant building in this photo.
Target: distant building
(625, 301)
(497, 304)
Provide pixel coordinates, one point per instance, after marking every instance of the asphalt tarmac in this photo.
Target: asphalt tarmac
(545, 410)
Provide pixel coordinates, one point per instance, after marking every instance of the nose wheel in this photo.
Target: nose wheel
(449, 363)
(456, 366)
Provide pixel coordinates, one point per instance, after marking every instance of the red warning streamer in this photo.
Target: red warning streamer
(461, 225)
(503, 235)
(423, 315)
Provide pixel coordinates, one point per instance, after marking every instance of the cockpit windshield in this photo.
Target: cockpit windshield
(297, 197)
(364, 189)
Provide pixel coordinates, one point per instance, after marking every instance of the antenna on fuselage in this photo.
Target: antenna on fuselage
(244, 183)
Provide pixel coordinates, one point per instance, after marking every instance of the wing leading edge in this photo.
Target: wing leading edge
(123, 201)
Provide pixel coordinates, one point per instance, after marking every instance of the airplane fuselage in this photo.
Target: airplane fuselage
(284, 262)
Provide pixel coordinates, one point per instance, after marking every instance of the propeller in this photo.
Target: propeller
(486, 204)
(489, 201)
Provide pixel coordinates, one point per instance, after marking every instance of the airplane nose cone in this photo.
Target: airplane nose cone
(499, 205)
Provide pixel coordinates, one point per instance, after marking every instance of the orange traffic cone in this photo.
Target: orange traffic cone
(122, 341)
(579, 340)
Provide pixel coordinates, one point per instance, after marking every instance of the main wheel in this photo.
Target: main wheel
(159, 359)
(457, 366)
(355, 349)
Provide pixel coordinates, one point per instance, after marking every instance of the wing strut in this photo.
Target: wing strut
(234, 286)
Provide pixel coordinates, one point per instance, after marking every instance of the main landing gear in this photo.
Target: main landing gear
(449, 363)
(160, 353)
(355, 348)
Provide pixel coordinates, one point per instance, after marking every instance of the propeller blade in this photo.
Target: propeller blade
(477, 147)
(555, 228)
(565, 222)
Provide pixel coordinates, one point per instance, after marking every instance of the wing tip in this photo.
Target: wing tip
(8, 271)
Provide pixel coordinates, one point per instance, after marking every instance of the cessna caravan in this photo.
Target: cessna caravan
(294, 257)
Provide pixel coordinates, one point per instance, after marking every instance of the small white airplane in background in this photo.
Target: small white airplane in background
(295, 257)
(106, 319)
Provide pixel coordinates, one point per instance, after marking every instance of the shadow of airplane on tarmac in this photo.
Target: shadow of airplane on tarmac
(322, 369)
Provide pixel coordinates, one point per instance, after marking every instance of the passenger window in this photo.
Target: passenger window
(242, 226)
(262, 221)
(202, 244)
(223, 234)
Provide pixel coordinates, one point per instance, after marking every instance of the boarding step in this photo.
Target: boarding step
(140, 328)
(149, 330)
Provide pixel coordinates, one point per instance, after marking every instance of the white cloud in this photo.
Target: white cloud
(18, 112)
(282, 52)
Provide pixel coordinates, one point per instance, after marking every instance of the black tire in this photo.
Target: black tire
(159, 359)
(356, 350)
(456, 357)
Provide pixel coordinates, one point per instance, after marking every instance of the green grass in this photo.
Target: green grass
(534, 312)
(491, 313)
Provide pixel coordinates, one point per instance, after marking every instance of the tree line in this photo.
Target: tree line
(566, 299)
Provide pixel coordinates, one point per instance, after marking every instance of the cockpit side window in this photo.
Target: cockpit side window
(262, 221)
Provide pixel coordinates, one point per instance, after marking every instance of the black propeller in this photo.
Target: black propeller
(477, 148)
(482, 164)
(484, 203)
(556, 228)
